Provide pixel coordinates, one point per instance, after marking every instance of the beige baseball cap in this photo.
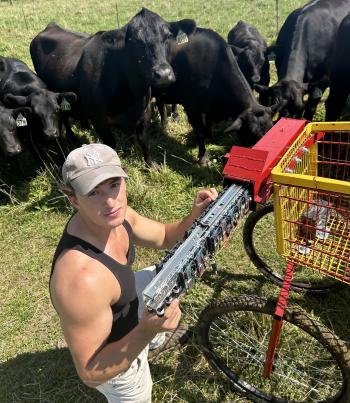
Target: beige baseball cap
(89, 165)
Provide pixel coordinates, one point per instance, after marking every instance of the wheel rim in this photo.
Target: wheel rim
(304, 370)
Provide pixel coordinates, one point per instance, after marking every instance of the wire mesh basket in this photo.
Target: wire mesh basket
(312, 200)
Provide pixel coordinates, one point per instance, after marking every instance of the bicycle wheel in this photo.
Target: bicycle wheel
(311, 365)
(259, 241)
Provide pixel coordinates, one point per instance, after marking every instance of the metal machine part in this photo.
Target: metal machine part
(187, 260)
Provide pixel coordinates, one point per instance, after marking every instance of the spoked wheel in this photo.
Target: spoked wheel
(311, 365)
(259, 240)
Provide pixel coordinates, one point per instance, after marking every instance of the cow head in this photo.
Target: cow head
(290, 93)
(252, 124)
(45, 106)
(147, 41)
(250, 60)
(9, 141)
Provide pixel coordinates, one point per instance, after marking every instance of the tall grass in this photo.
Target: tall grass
(34, 362)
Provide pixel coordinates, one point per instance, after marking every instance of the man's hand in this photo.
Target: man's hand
(202, 201)
(151, 322)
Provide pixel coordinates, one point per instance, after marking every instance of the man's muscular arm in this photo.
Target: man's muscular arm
(164, 236)
(84, 306)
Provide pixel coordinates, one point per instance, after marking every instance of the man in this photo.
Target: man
(92, 286)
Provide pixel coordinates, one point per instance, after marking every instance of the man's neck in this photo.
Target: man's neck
(96, 235)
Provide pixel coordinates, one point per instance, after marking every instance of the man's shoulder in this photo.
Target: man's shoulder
(79, 277)
(75, 269)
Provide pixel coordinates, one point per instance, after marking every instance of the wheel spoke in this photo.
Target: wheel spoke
(260, 244)
(304, 370)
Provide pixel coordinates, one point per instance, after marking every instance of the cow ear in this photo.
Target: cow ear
(187, 26)
(261, 89)
(236, 50)
(108, 38)
(24, 110)
(278, 106)
(15, 100)
(235, 126)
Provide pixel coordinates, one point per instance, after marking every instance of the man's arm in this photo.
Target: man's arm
(164, 236)
(86, 318)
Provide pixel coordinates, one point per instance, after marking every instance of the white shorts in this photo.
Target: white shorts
(135, 384)
(131, 386)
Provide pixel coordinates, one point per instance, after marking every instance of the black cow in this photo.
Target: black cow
(10, 144)
(250, 49)
(339, 88)
(304, 50)
(19, 86)
(112, 71)
(211, 87)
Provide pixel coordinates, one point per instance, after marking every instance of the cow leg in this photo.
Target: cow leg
(310, 107)
(265, 74)
(335, 102)
(143, 138)
(163, 114)
(175, 113)
(196, 121)
(105, 133)
(70, 135)
(313, 101)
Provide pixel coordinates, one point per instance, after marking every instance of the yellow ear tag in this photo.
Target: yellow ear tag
(21, 121)
(65, 105)
(181, 38)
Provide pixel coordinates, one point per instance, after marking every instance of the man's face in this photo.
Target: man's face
(105, 205)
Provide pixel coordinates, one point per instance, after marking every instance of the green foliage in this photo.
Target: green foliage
(34, 363)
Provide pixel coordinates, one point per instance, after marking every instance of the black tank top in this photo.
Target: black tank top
(125, 316)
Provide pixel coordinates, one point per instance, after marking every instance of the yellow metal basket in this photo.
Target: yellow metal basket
(312, 200)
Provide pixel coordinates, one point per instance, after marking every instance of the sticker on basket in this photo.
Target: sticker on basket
(322, 234)
(303, 249)
(314, 221)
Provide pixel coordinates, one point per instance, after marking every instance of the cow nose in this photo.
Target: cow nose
(163, 76)
(51, 134)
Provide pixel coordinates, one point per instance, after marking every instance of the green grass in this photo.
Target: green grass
(34, 362)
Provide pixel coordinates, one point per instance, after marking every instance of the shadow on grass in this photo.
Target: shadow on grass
(47, 376)
(190, 379)
(50, 376)
(332, 308)
(224, 281)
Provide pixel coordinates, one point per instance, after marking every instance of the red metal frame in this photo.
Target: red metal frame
(254, 165)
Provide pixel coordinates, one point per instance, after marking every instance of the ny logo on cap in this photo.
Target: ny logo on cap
(92, 158)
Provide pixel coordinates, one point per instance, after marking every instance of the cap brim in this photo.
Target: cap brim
(86, 182)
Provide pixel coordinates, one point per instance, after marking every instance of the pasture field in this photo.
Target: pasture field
(35, 365)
